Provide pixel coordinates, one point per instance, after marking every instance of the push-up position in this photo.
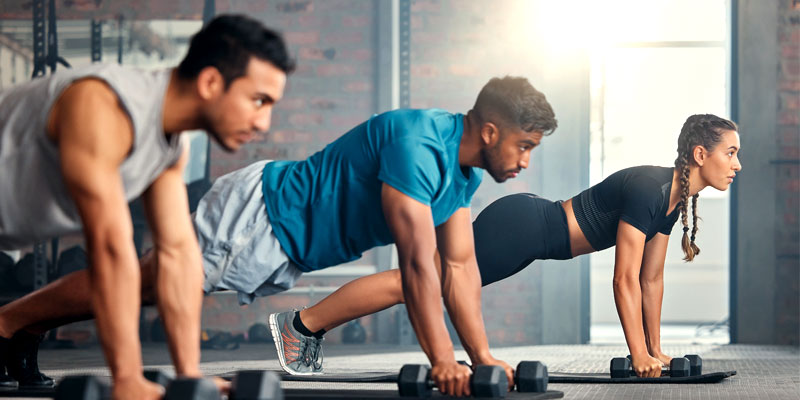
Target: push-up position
(76, 146)
(634, 209)
(404, 177)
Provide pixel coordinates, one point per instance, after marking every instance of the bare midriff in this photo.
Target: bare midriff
(577, 240)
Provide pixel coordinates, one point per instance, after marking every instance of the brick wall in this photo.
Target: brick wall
(787, 295)
(332, 89)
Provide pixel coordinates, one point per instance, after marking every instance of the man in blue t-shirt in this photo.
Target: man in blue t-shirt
(403, 177)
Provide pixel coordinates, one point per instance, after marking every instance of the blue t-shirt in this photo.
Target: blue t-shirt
(326, 210)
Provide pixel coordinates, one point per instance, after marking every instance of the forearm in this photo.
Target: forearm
(652, 297)
(628, 299)
(462, 297)
(422, 292)
(115, 299)
(179, 288)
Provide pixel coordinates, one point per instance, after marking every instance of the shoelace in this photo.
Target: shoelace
(316, 354)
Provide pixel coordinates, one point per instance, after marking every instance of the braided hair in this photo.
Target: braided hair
(698, 130)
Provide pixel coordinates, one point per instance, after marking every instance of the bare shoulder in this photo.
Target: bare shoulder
(88, 114)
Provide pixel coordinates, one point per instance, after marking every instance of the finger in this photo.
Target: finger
(464, 383)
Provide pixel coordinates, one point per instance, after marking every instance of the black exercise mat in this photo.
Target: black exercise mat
(567, 377)
(28, 392)
(354, 394)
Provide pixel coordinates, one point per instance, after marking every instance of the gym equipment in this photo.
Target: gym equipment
(486, 381)
(82, 387)
(529, 376)
(259, 333)
(354, 333)
(192, 389)
(622, 368)
(256, 385)
(695, 363)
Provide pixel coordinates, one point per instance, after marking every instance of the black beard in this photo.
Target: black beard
(490, 160)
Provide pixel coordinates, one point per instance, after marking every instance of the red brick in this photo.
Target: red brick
(357, 21)
(425, 5)
(269, 153)
(791, 51)
(468, 70)
(305, 119)
(294, 6)
(340, 38)
(292, 104)
(311, 53)
(790, 85)
(357, 55)
(335, 70)
(303, 69)
(323, 104)
(300, 38)
(288, 136)
(791, 69)
(313, 21)
(790, 101)
(357, 87)
(425, 38)
(416, 22)
(424, 71)
(347, 121)
(789, 117)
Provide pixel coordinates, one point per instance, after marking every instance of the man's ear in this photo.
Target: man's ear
(210, 83)
(490, 133)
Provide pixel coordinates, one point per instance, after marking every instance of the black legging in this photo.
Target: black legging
(517, 229)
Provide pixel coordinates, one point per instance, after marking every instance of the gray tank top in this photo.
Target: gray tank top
(34, 202)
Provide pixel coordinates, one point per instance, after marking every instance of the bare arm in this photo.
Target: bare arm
(651, 280)
(179, 280)
(461, 288)
(628, 296)
(411, 224)
(94, 136)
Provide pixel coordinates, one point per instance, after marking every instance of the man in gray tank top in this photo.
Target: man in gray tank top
(77, 146)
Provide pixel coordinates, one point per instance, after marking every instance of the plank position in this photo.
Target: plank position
(404, 177)
(77, 146)
(633, 209)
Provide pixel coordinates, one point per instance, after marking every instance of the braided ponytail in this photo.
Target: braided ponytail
(698, 130)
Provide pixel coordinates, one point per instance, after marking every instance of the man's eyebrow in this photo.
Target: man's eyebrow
(265, 97)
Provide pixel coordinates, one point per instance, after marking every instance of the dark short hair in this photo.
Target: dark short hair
(228, 42)
(513, 100)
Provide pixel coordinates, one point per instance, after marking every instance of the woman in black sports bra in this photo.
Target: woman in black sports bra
(634, 209)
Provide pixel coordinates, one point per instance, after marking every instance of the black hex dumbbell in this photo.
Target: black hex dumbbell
(695, 364)
(622, 368)
(531, 377)
(487, 381)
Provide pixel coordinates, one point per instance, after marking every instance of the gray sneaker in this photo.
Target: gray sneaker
(298, 354)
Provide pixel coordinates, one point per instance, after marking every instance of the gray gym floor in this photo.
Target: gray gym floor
(764, 372)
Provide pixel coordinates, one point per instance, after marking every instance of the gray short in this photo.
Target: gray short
(240, 250)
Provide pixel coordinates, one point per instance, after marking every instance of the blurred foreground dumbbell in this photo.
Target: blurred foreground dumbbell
(486, 381)
(246, 385)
